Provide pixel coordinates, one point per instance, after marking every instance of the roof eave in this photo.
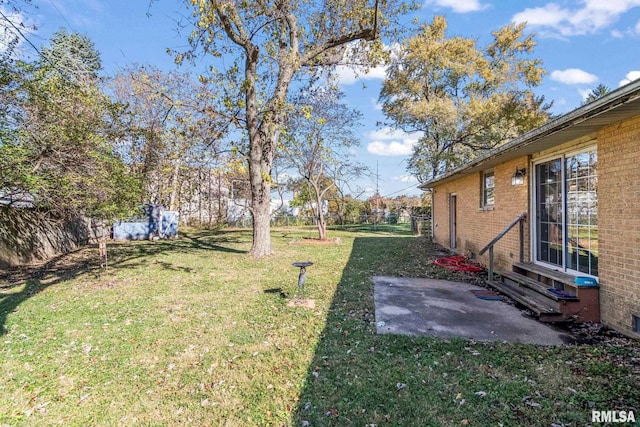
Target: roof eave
(578, 120)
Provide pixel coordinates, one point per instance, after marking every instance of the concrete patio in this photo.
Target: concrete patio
(445, 309)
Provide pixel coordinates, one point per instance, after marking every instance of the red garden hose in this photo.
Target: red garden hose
(458, 263)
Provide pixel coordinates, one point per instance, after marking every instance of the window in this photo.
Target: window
(488, 185)
(566, 206)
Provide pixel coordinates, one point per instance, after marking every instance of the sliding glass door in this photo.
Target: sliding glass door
(549, 217)
(582, 212)
(566, 210)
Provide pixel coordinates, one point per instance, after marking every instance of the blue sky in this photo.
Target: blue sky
(582, 43)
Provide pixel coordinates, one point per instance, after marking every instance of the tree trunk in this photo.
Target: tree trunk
(260, 161)
(173, 196)
(259, 173)
(200, 180)
(261, 230)
(322, 225)
(263, 138)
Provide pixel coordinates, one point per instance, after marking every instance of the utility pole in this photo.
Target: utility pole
(375, 217)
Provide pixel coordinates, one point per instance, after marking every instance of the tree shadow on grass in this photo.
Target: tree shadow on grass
(359, 378)
(35, 278)
(131, 254)
(354, 376)
(86, 262)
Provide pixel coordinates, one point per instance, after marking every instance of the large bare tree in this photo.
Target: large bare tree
(169, 130)
(316, 145)
(265, 45)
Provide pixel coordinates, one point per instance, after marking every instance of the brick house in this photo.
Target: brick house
(571, 190)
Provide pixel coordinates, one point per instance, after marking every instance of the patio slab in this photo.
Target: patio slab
(445, 309)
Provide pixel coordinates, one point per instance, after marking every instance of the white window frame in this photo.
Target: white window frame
(562, 155)
(484, 188)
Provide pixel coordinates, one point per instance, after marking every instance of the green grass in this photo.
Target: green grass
(194, 331)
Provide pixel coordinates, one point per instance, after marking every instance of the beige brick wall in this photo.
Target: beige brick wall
(477, 227)
(618, 217)
(619, 223)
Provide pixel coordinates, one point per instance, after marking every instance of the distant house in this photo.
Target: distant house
(574, 186)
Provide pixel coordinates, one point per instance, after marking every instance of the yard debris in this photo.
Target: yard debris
(480, 393)
(528, 400)
(400, 386)
(472, 351)
(331, 413)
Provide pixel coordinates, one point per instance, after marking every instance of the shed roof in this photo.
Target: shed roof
(618, 105)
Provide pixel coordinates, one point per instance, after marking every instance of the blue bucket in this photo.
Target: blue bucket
(586, 281)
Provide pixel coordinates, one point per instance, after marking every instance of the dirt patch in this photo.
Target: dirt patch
(103, 284)
(59, 268)
(316, 241)
(306, 303)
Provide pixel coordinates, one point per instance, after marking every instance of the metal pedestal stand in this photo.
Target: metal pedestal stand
(302, 277)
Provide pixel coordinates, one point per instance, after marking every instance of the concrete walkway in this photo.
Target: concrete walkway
(445, 309)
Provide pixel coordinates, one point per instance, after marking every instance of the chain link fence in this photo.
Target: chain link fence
(419, 224)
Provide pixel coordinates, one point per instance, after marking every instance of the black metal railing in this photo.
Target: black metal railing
(520, 219)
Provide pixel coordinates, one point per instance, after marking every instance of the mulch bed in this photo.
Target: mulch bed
(316, 241)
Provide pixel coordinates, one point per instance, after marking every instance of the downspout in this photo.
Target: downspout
(433, 216)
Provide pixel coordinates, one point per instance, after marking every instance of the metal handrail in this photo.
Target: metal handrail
(519, 219)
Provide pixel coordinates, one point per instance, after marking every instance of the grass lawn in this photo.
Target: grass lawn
(194, 331)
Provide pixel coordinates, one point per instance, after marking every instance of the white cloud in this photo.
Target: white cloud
(285, 177)
(636, 29)
(590, 18)
(388, 142)
(573, 76)
(584, 93)
(348, 75)
(406, 178)
(631, 76)
(376, 105)
(458, 6)
(352, 73)
(390, 149)
(387, 133)
(617, 34)
(7, 31)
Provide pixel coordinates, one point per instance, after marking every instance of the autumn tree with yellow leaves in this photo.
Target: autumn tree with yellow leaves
(463, 99)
